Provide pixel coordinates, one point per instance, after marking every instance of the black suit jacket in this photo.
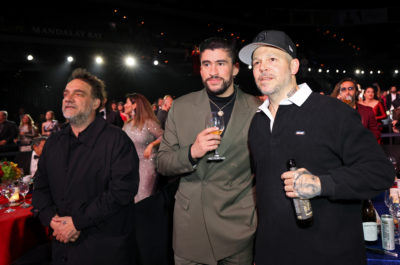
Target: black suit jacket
(9, 133)
(389, 101)
(23, 159)
(114, 118)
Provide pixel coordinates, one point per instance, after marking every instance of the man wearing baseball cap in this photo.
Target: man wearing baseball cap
(339, 163)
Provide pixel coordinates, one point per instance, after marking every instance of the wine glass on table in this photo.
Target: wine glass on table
(392, 202)
(23, 190)
(7, 190)
(216, 120)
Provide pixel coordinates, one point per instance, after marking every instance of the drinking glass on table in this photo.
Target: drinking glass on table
(7, 190)
(216, 121)
(23, 190)
(392, 202)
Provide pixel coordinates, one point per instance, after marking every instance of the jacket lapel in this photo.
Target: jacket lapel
(236, 121)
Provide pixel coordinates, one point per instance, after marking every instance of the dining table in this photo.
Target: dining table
(20, 231)
(377, 258)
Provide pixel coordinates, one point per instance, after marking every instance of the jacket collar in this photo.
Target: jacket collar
(88, 136)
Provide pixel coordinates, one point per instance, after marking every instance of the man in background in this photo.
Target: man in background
(163, 112)
(346, 91)
(28, 161)
(110, 115)
(8, 132)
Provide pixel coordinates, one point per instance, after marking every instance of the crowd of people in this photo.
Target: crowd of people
(100, 169)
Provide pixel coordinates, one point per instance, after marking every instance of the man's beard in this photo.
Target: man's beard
(79, 118)
(225, 85)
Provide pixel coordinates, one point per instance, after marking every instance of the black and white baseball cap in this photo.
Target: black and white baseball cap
(274, 38)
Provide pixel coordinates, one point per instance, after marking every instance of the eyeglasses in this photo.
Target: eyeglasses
(350, 88)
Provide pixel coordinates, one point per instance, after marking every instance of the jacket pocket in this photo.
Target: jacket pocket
(248, 206)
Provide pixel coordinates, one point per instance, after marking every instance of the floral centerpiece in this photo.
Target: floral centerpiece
(9, 171)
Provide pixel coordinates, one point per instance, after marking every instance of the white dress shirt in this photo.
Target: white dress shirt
(34, 163)
(298, 98)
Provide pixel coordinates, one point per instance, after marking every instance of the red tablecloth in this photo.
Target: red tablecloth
(19, 232)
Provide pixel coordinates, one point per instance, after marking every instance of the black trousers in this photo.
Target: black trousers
(153, 227)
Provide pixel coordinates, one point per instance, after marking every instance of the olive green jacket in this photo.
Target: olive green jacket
(214, 214)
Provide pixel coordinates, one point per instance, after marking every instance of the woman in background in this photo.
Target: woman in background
(50, 125)
(27, 130)
(146, 133)
(371, 100)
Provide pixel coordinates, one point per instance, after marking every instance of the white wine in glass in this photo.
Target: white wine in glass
(8, 191)
(23, 190)
(216, 121)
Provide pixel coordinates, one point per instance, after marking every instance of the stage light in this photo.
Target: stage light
(29, 57)
(130, 61)
(327, 71)
(70, 59)
(344, 71)
(362, 72)
(250, 67)
(357, 71)
(337, 71)
(309, 69)
(99, 60)
(371, 72)
(396, 72)
(155, 62)
(379, 72)
(319, 70)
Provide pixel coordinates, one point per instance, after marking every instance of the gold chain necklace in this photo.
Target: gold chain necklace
(220, 112)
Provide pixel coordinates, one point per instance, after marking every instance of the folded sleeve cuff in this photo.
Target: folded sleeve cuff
(327, 185)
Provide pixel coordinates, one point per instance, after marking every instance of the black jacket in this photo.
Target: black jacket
(113, 117)
(95, 185)
(326, 137)
(9, 132)
(24, 159)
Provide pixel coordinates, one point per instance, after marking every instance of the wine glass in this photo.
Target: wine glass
(392, 202)
(7, 190)
(216, 121)
(23, 190)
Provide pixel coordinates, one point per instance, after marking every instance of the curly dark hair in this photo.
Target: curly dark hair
(97, 85)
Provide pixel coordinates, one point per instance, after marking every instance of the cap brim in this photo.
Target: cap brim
(246, 53)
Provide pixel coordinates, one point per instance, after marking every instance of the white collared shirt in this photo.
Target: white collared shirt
(104, 115)
(298, 98)
(34, 163)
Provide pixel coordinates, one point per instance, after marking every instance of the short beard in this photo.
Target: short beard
(277, 88)
(224, 87)
(80, 118)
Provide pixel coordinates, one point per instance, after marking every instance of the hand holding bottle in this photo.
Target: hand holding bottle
(300, 183)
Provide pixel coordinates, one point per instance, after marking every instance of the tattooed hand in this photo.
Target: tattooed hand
(301, 183)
